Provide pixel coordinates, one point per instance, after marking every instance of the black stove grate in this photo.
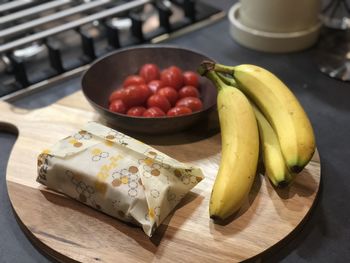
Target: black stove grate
(43, 42)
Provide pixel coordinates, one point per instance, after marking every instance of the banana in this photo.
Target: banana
(240, 150)
(275, 166)
(274, 163)
(280, 107)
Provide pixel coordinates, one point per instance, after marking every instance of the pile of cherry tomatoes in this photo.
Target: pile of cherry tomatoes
(156, 93)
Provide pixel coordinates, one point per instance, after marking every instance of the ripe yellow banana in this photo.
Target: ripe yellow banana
(275, 166)
(280, 107)
(274, 163)
(240, 150)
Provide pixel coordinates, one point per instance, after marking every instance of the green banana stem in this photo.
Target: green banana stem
(207, 65)
(223, 68)
(229, 81)
(214, 77)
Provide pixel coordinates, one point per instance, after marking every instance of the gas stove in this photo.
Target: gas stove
(46, 42)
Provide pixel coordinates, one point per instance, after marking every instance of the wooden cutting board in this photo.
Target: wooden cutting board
(70, 231)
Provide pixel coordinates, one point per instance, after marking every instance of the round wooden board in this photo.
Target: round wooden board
(70, 231)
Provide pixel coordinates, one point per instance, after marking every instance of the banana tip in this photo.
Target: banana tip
(296, 169)
(216, 217)
(220, 220)
(282, 184)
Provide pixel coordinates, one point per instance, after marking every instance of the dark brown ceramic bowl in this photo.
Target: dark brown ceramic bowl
(106, 74)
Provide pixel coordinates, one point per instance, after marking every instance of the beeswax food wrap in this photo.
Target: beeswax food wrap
(117, 175)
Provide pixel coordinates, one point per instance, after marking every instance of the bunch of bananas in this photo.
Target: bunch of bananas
(256, 110)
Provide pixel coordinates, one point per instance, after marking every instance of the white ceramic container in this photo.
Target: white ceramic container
(280, 16)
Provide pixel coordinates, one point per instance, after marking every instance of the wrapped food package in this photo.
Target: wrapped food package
(118, 175)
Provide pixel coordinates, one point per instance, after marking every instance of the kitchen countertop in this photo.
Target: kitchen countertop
(325, 236)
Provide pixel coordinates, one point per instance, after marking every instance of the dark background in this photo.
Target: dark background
(325, 236)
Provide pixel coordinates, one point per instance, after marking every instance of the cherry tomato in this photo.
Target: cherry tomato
(117, 95)
(133, 80)
(134, 96)
(170, 93)
(136, 111)
(155, 85)
(149, 72)
(172, 77)
(153, 112)
(145, 92)
(188, 91)
(117, 106)
(193, 103)
(175, 69)
(179, 110)
(159, 101)
(191, 78)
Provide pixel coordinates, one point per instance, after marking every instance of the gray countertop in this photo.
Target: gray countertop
(325, 236)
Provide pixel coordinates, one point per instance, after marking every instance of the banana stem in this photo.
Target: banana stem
(224, 69)
(214, 77)
(229, 81)
(207, 68)
(208, 65)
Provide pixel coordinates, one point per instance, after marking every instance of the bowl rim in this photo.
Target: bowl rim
(143, 46)
(234, 21)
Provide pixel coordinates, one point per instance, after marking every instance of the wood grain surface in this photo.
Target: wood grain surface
(70, 231)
